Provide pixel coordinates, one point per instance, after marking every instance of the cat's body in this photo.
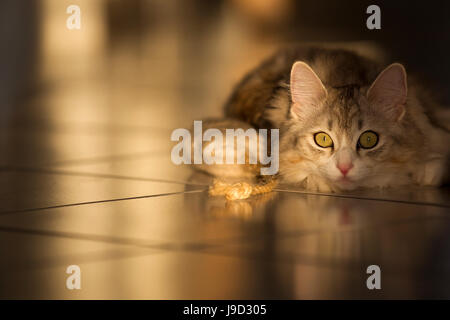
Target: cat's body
(344, 122)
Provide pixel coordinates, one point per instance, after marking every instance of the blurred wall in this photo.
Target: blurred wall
(416, 33)
(18, 49)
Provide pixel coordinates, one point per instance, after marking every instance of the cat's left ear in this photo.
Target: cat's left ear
(389, 91)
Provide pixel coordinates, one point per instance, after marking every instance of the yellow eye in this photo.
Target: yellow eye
(323, 140)
(368, 140)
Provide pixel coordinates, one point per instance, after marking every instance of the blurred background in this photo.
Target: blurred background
(85, 171)
(142, 62)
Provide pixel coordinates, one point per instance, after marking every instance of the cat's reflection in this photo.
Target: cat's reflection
(218, 207)
(304, 237)
(243, 209)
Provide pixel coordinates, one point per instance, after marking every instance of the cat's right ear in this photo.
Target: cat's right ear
(306, 89)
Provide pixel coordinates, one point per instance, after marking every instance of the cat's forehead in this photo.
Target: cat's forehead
(345, 113)
(344, 108)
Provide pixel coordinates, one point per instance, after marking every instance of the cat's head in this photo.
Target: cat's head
(349, 136)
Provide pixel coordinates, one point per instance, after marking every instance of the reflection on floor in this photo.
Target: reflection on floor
(86, 179)
(140, 227)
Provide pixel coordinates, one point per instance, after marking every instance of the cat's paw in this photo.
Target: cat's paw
(316, 184)
(431, 174)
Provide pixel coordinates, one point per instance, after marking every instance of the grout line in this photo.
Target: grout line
(99, 201)
(93, 174)
(143, 244)
(419, 203)
(120, 177)
(82, 258)
(244, 239)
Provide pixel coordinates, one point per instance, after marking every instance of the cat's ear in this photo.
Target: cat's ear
(306, 89)
(389, 91)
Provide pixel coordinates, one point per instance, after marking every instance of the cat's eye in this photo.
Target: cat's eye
(323, 140)
(368, 140)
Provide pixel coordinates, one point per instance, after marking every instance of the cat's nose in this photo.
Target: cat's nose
(344, 168)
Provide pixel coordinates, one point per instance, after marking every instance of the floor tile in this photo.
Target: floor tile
(206, 276)
(24, 250)
(25, 190)
(27, 257)
(180, 219)
(288, 245)
(417, 246)
(153, 276)
(408, 194)
(155, 166)
(195, 218)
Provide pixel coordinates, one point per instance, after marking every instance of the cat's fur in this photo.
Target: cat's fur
(329, 92)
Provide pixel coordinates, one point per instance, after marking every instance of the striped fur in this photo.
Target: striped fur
(413, 150)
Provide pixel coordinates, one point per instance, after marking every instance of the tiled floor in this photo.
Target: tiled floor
(86, 179)
(138, 229)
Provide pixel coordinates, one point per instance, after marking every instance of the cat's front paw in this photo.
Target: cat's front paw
(316, 184)
(431, 173)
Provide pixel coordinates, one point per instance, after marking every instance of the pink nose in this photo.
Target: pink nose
(345, 168)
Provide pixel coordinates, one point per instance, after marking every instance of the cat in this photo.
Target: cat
(345, 120)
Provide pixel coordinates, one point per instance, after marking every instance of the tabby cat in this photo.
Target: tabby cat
(345, 120)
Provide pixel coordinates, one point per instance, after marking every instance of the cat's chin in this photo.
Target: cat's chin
(345, 184)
